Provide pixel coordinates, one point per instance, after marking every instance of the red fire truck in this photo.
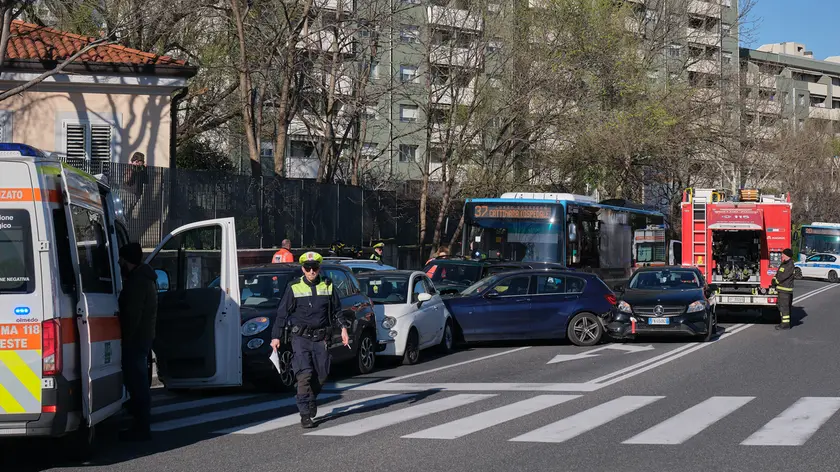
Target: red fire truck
(736, 242)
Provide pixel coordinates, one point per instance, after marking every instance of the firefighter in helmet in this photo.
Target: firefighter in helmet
(783, 281)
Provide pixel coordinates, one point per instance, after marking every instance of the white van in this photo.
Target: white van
(60, 362)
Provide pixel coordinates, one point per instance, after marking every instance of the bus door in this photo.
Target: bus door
(197, 337)
(96, 301)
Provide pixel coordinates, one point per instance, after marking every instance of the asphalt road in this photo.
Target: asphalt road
(755, 399)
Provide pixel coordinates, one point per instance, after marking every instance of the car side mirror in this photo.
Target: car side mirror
(162, 280)
(424, 297)
(492, 294)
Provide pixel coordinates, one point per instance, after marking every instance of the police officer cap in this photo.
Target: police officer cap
(311, 258)
(788, 252)
(378, 245)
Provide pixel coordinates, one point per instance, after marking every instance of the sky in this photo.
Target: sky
(812, 22)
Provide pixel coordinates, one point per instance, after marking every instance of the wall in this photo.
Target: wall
(139, 114)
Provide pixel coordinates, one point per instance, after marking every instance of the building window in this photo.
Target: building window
(89, 141)
(408, 73)
(369, 151)
(494, 46)
(301, 150)
(408, 113)
(372, 69)
(409, 33)
(725, 30)
(6, 126)
(267, 149)
(369, 113)
(408, 153)
(727, 58)
(674, 50)
(802, 99)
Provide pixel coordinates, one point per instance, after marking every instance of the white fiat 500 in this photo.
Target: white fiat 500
(410, 315)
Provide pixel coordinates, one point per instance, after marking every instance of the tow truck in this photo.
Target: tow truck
(736, 242)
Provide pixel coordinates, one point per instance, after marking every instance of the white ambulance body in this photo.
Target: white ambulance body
(60, 356)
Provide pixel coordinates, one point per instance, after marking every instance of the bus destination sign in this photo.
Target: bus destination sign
(823, 231)
(513, 212)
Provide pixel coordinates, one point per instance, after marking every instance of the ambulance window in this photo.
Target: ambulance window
(17, 274)
(91, 244)
(62, 249)
(122, 234)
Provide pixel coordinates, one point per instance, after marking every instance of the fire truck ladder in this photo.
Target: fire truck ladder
(700, 235)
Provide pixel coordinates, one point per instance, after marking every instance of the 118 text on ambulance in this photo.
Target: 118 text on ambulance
(20, 336)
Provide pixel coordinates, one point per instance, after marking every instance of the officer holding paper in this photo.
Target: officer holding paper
(309, 307)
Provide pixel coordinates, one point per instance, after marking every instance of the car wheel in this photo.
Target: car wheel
(832, 277)
(412, 348)
(365, 354)
(797, 273)
(584, 330)
(447, 342)
(710, 331)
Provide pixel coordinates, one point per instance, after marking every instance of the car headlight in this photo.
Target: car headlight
(699, 305)
(624, 307)
(255, 326)
(389, 322)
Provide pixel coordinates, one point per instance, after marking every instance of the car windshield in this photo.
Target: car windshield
(479, 287)
(260, 290)
(384, 288)
(665, 280)
(442, 273)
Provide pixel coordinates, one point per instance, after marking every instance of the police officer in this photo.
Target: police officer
(377, 252)
(309, 307)
(783, 282)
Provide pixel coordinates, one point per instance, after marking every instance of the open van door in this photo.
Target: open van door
(675, 253)
(96, 303)
(197, 339)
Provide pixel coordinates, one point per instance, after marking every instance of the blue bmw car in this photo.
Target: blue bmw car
(533, 304)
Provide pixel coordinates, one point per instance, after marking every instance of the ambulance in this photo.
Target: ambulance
(60, 360)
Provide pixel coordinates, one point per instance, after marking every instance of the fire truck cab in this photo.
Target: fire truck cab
(60, 355)
(736, 242)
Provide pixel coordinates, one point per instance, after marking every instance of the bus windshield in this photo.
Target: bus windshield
(515, 233)
(820, 240)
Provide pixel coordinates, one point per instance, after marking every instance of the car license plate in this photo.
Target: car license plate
(735, 299)
(658, 321)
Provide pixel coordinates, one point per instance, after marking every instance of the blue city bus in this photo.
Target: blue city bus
(574, 230)
(818, 237)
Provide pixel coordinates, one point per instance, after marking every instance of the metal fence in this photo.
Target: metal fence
(157, 200)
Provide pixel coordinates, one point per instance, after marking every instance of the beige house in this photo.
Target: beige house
(109, 104)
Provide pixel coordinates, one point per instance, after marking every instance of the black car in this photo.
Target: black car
(451, 274)
(262, 287)
(664, 301)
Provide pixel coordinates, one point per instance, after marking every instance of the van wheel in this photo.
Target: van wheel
(80, 444)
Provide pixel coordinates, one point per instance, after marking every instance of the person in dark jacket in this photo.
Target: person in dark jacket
(783, 281)
(310, 306)
(138, 315)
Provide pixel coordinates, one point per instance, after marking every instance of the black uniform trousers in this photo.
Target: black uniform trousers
(311, 364)
(785, 302)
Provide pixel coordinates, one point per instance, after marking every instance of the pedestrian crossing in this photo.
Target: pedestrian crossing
(446, 416)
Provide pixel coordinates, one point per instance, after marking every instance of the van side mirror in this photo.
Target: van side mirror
(162, 280)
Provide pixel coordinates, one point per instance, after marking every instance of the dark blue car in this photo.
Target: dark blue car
(533, 304)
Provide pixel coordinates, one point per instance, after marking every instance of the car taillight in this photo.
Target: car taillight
(51, 345)
(611, 298)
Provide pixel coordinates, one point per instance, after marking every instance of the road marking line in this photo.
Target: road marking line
(325, 410)
(587, 420)
(796, 424)
(471, 424)
(160, 410)
(684, 426)
(693, 347)
(642, 363)
(396, 379)
(813, 293)
(480, 387)
(366, 425)
(225, 414)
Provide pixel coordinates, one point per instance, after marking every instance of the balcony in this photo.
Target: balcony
(447, 95)
(700, 36)
(311, 126)
(454, 18)
(820, 113)
(439, 134)
(327, 41)
(700, 8)
(704, 66)
(346, 5)
(456, 56)
(818, 89)
(766, 107)
(762, 80)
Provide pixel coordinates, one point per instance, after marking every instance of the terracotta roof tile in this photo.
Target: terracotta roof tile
(33, 42)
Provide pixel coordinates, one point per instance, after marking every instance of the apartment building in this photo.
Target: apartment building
(784, 82)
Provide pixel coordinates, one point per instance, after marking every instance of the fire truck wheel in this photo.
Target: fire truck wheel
(832, 277)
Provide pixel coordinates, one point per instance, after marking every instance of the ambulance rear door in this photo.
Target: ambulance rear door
(197, 339)
(96, 307)
(21, 297)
